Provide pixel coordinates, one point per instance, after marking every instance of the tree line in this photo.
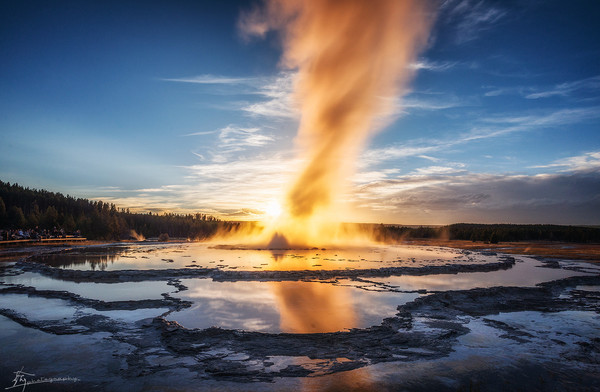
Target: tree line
(492, 233)
(24, 208)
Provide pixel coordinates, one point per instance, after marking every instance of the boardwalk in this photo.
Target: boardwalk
(60, 240)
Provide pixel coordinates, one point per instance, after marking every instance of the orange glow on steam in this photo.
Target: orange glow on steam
(352, 59)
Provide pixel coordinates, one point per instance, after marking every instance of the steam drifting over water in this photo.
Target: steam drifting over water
(352, 57)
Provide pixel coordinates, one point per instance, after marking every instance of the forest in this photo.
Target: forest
(24, 208)
(492, 233)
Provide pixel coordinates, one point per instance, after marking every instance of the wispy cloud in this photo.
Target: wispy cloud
(497, 91)
(201, 133)
(240, 184)
(373, 160)
(562, 89)
(413, 102)
(238, 188)
(568, 88)
(434, 198)
(375, 164)
(471, 17)
(441, 193)
(490, 127)
(437, 199)
(233, 138)
(376, 156)
(278, 101)
(429, 158)
(438, 192)
(510, 124)
(590, 161)
(422, 101)
(273, 94)
(439, 66)
(437, 170)
(212, 79)
(273, 103)
(557, 117)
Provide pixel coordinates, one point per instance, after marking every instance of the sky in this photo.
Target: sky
(166, 106)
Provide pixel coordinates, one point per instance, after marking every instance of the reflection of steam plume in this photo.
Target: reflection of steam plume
(313, 308)
(351, 55)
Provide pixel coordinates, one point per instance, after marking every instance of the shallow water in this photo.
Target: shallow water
(100, 291)
(282, 306)
(54, 309)
(512, 349)
(486, 359)
(296, 307)
(194, 255)
(35, 308)
(527, 272)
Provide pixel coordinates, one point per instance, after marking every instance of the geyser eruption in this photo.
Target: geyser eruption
(352, 58)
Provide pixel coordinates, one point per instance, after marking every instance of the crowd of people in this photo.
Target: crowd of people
(36, 234)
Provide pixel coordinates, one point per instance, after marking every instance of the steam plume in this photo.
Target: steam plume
(352, 56)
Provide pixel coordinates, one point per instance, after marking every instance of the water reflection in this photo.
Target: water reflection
(527, 272)
(122, 291)
(318, 308)
(169, 256)
(354, 380)
(257, 306)
(76, 260)
(311, 307)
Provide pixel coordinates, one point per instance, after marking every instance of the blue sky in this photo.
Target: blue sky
(163, 106)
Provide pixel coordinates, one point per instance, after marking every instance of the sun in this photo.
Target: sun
(273, 209)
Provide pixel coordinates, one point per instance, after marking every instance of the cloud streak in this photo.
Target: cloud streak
(279, 102)
(572, 198)
(471, 17)
(589, 161)
(565, 89)
(213, 79)
(424, 64)
(437, 194)
(503, 125)
(275, 98)
(491, 127)
(411, 102)
(225, 189)
(232, 138)
(568, 88)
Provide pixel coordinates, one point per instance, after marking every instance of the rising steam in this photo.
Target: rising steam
(352, 57)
